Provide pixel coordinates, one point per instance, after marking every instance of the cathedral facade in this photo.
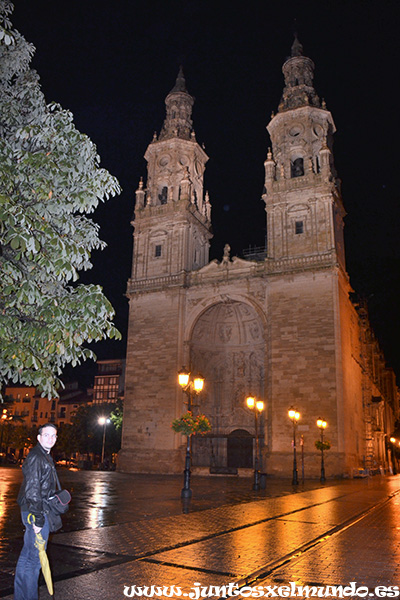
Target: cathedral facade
(281, 326)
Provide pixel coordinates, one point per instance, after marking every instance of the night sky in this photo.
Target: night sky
(112, 62)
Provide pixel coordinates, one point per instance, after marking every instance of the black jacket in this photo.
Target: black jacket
(39, 482)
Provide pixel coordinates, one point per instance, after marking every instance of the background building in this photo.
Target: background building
(27, 407)
(109, 382)
(281, 324)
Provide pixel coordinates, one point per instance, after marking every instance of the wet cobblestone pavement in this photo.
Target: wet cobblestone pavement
(368, 553)
(125, 530)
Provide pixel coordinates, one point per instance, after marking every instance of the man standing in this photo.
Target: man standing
(39, 484)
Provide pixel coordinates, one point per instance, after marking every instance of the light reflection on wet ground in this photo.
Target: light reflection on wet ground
(101, 498)
(116, 519)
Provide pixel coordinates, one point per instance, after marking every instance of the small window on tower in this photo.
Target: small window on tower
(297, 167)
(299, 227)
(158, 251)
(163, 197)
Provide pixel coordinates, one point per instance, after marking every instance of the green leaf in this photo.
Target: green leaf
(50, 180)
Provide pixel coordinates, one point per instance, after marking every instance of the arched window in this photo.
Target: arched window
(297, 167)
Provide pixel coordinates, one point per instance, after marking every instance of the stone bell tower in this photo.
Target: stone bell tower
(172, 232)
(302, 192)
(313, 363)
(172, 215)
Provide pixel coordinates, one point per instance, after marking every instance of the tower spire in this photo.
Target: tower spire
(298, 71)
(297, 47)
(179, 103)
(180, 83)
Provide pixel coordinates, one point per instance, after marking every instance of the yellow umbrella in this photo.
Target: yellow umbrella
(44, 561)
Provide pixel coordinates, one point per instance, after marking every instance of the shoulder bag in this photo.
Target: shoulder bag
(56, 505)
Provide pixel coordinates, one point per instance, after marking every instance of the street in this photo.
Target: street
(129, 530)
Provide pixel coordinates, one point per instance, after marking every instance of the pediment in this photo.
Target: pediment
(235, 264)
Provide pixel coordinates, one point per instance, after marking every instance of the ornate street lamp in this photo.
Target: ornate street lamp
(322, 426)
(258, 407)
(103, 421)
(294, 416)
(393, 442)
(191, 386)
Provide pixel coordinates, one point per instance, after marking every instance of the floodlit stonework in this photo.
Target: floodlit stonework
(280, 326)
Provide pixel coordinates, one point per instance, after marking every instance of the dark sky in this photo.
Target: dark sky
(112, 62)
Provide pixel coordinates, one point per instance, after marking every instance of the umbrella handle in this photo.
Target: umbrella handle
(31, 520)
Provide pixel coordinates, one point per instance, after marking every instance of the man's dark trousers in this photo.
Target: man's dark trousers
(28, 566)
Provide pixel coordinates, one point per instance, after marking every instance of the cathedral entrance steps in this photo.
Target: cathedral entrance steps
(223, 471)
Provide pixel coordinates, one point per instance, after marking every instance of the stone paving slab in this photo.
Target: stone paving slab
(104, 498)
(141, 537)
(330, 514)
(66, 561)
(231, 553)
(246, 550)
(368, 553)
(108, 584)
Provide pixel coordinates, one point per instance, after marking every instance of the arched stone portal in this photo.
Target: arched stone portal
(228, 347)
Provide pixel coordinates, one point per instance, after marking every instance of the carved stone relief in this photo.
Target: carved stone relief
(228, 348)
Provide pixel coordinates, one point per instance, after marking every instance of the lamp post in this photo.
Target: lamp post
(258, 407)
(294, 416)
(393, 453)
(191, 386)
(103, 421)
(4, 418)
(322, 425)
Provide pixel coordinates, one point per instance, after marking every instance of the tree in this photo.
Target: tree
(82, 430)
(87, 432)
(117, 415)
(66, 440)
(50, 180)
(22, 437)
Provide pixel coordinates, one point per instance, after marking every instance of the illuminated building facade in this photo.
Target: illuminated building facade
(281, 326)
(25, 405)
